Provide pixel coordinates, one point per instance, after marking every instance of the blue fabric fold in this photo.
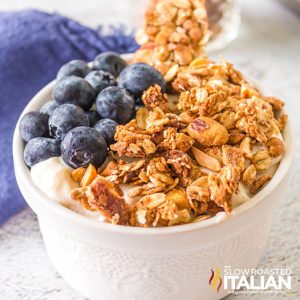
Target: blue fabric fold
(33, 46)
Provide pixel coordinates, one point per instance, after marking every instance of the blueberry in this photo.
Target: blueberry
(74, 90)
(138, 77)
(33, 124)
(64, 118)
(107, 128)
(39, 149)
(115, 103)
(74, 67)
(100, 80)
(93, 117)
(49, 107)
(82, 146)
(110, 62)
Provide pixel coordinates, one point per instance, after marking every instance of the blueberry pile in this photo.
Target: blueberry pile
(88, 103)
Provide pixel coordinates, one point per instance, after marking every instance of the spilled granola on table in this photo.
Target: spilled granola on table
(186, 163)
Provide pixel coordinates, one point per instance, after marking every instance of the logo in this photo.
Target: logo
(215, 280)
(263, 281)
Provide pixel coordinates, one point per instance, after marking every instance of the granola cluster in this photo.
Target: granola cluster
(185, 164)
(173, 34)
(184, 156)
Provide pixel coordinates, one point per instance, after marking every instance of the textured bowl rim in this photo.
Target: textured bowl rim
(23, 176)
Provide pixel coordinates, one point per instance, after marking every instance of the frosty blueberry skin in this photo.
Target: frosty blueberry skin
(75, 67)
(83, 146)
(100, 80)
(33, 124)
(138, 77)
(40, 149)
(74, 90)
(107, 128)
(110, 62)
(64, 118)
(115, 103)
(49, 107)
(93, 117)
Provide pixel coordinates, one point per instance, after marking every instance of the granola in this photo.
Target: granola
(153, 97)
(174, 34)
(184, 156)
(101, 195)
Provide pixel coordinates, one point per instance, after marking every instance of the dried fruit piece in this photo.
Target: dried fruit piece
(206, 160)
(208, 132)
(248, 91)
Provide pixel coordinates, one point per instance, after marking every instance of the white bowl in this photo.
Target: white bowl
(110, 262)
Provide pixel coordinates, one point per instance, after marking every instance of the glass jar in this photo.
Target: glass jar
(224, 21)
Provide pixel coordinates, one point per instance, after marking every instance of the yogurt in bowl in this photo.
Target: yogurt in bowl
(100, 259)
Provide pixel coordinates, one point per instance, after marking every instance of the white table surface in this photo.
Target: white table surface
(268, 48)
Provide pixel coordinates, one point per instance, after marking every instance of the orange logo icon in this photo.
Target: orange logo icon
(214, 279)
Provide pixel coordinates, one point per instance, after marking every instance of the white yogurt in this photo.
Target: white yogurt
(53, 177)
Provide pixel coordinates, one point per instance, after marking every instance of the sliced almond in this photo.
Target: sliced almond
(246, 147)
(205, 160)
(170, 75)
(89, 175)
(249, 175)
(199, 62)
(78, 173)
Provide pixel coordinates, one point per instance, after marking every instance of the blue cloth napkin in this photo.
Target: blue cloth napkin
(33, 46)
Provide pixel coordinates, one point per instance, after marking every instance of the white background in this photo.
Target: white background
(88, 12)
